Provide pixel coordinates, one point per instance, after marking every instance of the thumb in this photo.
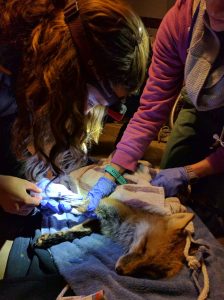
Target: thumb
(33, 187)
(157, 181)
(33, 197)
(34, 200)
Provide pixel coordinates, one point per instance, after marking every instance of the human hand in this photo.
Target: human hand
(15, 197)
(51, 206)
(104, 187)
(171, 180)
(56, 198)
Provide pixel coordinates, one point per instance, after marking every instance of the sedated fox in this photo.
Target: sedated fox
(153, 243)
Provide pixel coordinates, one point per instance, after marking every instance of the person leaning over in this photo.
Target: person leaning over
(61, 65)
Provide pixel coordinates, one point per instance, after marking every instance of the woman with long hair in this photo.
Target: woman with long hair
(61, 64)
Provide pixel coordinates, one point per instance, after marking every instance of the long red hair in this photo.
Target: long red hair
(51, 84)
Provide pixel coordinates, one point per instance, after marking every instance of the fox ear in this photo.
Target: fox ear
(179, 221)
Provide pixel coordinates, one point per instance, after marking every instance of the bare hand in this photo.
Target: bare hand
(14, 195)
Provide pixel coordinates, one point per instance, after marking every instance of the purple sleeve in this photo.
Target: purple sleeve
(216, 159)
(163, 85)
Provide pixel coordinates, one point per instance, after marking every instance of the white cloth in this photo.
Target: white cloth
(137, 192)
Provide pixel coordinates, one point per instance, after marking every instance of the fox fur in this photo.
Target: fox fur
(153, 243)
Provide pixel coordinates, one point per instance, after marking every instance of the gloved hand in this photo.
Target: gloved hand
(104, 187)
(55, 207)
(171, 180)
(53, 195)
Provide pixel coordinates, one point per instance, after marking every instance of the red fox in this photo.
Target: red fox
(154, 243)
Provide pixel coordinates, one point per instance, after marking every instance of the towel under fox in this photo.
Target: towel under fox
(153, 244)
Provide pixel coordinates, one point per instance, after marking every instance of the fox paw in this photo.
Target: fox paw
(48, 240)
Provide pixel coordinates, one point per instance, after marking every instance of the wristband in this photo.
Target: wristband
(119, 178)
(191, 175)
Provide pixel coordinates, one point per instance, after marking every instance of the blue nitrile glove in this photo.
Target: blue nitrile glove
(171, 180)
(52, 191)
(104, 187)
(55, 207)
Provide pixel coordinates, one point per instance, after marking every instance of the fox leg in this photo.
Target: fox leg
(77, 231)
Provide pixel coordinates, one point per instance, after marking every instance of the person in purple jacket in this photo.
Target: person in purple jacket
(188, 52)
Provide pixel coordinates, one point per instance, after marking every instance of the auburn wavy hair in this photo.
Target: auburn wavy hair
(52, 131)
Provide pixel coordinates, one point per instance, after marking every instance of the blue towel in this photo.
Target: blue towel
(87, 264)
